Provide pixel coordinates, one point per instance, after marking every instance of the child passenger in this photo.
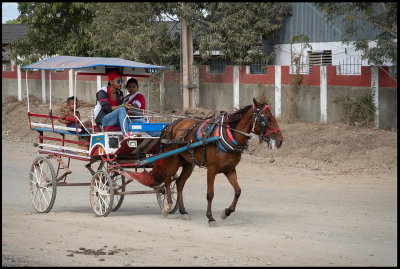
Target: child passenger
(70, 113)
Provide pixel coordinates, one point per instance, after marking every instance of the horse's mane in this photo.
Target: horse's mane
(235, 117)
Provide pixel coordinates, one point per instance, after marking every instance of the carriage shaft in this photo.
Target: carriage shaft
(176, 151)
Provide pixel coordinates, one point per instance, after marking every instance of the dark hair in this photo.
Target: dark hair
(71, 99)
(132, 80)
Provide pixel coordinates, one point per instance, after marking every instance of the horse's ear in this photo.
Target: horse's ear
(255, 102)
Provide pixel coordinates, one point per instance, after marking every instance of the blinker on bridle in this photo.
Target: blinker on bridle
(262, 122)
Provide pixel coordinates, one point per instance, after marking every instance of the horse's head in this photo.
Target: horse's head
(265, 125)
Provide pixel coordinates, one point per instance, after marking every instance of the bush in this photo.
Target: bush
(358, 112)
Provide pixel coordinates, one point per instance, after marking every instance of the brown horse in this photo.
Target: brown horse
(218, 158)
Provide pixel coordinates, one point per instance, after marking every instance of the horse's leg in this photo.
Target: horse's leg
(167, 207)
(187, 170)
(170, 165)
(211, 172)
(232, 177)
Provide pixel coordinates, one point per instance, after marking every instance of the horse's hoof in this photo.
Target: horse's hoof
(185, 216)
(166, 209)
(212, 223)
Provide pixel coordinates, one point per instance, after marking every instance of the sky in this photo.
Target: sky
(9, 11)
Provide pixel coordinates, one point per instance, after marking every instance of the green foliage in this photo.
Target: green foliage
(382, 15)
(234, 28)
(133, 30)
(53, 28)
(359, 112)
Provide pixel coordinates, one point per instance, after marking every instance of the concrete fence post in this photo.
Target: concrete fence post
(19, 83)
(323, 94)
(236, 87)
(278, 87)
(43, 86)
(375, 92)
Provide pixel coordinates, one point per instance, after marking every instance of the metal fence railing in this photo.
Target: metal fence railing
(349, 66)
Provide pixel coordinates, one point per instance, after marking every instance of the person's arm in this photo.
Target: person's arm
(62, 118)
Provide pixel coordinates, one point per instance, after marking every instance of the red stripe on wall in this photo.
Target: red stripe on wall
(363, 80)
(226, 77)
(289, 79)
(268, 78)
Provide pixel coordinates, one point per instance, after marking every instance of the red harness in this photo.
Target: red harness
(267, 131)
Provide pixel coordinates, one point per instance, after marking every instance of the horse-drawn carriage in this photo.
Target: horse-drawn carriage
(151, 161)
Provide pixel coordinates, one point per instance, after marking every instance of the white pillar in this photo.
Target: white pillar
(278, 87)
(323, 94)
(19, 83)
(43, 86)
(98, 82)
(71, 85)
(375, 92)
(236, 87)
(162, 92)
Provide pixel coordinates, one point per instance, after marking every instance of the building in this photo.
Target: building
(10, 32)
(325, 39)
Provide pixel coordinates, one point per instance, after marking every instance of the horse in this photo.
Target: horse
(218, 157)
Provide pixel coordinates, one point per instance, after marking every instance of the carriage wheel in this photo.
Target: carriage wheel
(101, 194)
(162, 197)
(118, 180)
(42, 185)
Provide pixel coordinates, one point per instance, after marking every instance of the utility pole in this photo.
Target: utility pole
(187, 65)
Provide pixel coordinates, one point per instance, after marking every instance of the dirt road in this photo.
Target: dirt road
(287, 215)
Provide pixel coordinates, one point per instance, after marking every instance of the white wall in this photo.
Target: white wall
(340, 52)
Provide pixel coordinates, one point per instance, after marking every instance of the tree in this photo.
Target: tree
(53, 28)
(134, 31)
(382, 15)
(234, 28)
(137, 31)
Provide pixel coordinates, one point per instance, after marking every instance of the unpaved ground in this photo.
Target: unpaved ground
(327, 198)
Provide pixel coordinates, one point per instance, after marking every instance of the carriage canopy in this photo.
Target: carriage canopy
(95, 65)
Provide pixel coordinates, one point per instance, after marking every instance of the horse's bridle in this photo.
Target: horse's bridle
(259, 116)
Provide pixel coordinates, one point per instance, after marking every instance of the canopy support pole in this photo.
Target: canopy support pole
(27, 91)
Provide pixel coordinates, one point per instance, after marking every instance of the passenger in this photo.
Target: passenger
(70, 113)
(110, 109)
(135, 97)
(138, 103)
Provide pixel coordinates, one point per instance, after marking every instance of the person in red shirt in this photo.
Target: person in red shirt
(138, 102)
(135, 98)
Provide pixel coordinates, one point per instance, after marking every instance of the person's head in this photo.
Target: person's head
(70, 103)
(132, 86)
(115, 80)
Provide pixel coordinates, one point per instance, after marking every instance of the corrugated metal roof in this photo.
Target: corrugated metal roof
(309, 21)
(10, 32)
